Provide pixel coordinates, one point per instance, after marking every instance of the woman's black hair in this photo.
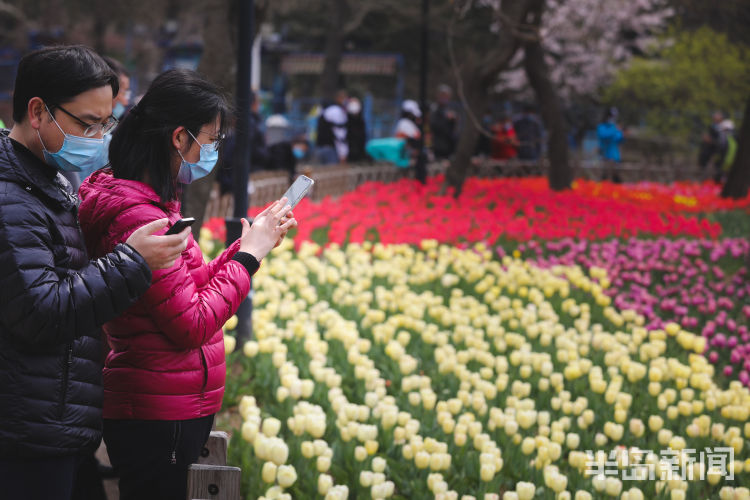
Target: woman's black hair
(57, 75)
(141, 147)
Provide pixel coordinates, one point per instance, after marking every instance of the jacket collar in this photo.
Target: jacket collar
(35, 176)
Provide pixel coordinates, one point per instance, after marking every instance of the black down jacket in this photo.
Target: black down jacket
(52, 302)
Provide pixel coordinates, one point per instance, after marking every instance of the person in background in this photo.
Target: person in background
(53, 299)
(730, 151)
(610, 136)
(443, 124)
(356, 131)
(529, 132)
(300, 148)
(505, 142)
(280, 153)
(259, 157)
(713, 144)
(164, 377)
(121, 102)
(407, 126)
(484, 143)
(332, 146)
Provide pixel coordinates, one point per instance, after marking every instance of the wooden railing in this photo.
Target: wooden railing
(267, 186)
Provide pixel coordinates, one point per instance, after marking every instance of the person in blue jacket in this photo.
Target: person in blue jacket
(610, 136)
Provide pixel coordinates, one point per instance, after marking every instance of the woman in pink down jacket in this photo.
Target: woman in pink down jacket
(164, 376)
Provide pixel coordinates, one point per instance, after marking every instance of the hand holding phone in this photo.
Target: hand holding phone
(181, 224)
(267, 229)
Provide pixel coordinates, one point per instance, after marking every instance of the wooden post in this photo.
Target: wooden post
(214, 452)
(214, 482)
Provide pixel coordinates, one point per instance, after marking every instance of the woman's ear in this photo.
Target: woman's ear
(178, 138)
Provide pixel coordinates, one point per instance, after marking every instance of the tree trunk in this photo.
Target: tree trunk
(560, 173)
(479, 72)
(738, 180)
(476, 100)
(334, 49)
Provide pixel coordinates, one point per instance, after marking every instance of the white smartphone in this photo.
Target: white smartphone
(298, 190)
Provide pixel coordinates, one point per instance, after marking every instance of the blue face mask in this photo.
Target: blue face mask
(190, 172)
(118, 110)
(77, 154)
(299, 153)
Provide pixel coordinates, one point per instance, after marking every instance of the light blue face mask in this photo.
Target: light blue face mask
(118, 110)
(190, 172)
(77, 154)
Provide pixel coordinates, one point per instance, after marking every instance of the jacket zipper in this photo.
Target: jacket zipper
(177, 430)
(65, 376)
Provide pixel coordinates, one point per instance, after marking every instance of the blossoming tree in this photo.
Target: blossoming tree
(570, 47)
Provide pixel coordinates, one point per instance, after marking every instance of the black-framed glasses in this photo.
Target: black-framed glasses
(91, 128)
(211, 146)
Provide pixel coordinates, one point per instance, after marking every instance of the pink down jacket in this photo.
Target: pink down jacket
(167, 350)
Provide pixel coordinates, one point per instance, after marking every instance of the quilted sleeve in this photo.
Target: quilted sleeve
(223, 258)
(187, 314)
(190, 316)
(41, 306)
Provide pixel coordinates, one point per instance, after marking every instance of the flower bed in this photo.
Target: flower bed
(394, 371)
(700, 284)
(509, 209)
(429, 365)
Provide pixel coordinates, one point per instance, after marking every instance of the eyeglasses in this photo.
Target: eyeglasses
(211, 146)
(92, 129)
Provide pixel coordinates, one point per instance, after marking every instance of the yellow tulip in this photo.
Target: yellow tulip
(325, 482)
(286, 475)
(268, 472)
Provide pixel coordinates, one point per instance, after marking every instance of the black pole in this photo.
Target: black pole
(243, 157)
(420, 169)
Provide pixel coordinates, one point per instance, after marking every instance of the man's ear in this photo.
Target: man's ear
(35, 111)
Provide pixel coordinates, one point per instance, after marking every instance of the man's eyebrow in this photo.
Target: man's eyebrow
(92, 118)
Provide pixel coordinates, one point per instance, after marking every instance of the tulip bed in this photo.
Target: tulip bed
(395, 371)
(411, 358)
(696, 283)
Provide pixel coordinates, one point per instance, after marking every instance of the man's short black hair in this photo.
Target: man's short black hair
(57, 75)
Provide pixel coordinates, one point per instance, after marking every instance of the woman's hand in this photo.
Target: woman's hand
(288, 216)
(268, 229)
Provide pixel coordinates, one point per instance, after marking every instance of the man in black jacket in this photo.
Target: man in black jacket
(52, 298)
(443, 124)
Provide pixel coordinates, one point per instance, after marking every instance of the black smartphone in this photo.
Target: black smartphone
(181, 224)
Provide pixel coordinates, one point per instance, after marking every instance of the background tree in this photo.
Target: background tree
(678, 86)
(330, 25)
(537, 72)
(584, 43)
(484, 36)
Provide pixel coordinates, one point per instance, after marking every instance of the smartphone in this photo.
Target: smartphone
(181, 224)
(298, 190)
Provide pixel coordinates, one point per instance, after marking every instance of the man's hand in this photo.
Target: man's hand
(160, 252)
